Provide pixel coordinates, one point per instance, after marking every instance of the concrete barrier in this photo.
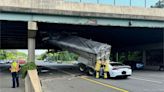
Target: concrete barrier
(32, 82)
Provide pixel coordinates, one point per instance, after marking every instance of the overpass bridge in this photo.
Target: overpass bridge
(58, 11)
(125, 28)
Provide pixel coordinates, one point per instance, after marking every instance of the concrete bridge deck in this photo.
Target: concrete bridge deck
(59, 7)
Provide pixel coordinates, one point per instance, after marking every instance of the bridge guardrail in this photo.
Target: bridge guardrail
(135, 3)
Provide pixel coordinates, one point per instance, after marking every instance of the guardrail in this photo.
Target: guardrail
(136, 3)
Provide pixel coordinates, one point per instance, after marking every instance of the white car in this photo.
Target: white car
(117, 69)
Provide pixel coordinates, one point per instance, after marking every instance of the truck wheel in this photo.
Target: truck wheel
(91, 71)
(82, 67)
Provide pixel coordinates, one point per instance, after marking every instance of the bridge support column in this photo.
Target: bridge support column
(144, 57)
(31, 49)
(32, 28)
(117, 56)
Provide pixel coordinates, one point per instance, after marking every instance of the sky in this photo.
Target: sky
(140, 3)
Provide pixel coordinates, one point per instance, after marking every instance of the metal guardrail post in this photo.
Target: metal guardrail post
(97, 1)
(130, 2)
(114, 2)
(145, 3)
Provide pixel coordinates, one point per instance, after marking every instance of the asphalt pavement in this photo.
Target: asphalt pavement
(67, 78)
(6, 81)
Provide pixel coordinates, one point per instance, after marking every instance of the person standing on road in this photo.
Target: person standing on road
(97, 68)
(14, 69)
(101, 69)
(106, 68)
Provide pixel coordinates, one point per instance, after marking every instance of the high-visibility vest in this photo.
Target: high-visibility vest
(98, 65)
(14, 67)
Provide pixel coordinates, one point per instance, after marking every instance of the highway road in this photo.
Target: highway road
(67, 78)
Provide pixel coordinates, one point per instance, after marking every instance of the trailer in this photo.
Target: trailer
(88, 50)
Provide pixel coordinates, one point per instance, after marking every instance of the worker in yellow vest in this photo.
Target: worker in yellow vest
(97, 68)
(106, 68)
(14, 69)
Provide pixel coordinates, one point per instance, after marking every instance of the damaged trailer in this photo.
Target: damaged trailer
(88, 50)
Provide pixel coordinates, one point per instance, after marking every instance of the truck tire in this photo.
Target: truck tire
(82, 67)
(90, 71)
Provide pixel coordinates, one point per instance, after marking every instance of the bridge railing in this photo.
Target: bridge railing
(136, 3)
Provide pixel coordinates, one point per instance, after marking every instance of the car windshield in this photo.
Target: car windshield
(116, 64)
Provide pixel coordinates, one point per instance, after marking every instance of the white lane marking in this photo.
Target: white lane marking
(70, 77)
(146, 80)
(61, 78)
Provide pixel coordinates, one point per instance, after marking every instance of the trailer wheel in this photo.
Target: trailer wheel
(90, 72)
(82, 67)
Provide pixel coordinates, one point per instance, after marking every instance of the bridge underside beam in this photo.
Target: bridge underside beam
(143, 47)
(94, 21)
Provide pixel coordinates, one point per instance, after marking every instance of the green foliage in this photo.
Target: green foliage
(2, 54)
(27, 66)
(21, 55)
(58, 56)
(42, 56)
(11, 55)
(122, 57)
(130, 56)
(134, 56)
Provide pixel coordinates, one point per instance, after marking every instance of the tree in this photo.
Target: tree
(2, 54)
(130, 56)
(58, 56)
(11, 55)
(159, 4)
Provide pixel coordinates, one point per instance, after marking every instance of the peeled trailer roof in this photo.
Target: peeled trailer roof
(79, 45)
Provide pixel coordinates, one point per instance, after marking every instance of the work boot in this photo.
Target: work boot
(12, 87)
(105, 76)
(97, 75)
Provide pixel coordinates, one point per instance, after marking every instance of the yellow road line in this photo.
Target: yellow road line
(93, 81)
(106, 85)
